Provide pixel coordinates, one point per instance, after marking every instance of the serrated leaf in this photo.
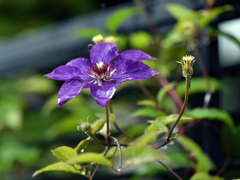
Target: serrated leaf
(210, 15)
(203, 162)
(212, 114)
(58, 167)
(145, 154)
(98, 125)
(163, 91)
(88, 33)
(198, 85)
(160, 126)
(90, 158)
(63, 153)
(172, 118)
(146, 102)
(178, 11)
(82, 145)
(119, 16)
(145, 138)
(148, 112)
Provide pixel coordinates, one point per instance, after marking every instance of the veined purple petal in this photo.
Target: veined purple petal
(64, 73)
(83, 64)
(134, 70)
(69, 90)
(131, 55)
(103, 94)
(103, 52)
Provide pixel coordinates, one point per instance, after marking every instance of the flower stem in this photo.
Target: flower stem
(115, 123)
(169, 170)
(183, 108)
(107, 121)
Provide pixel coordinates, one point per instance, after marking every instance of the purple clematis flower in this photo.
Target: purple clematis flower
(102, 74)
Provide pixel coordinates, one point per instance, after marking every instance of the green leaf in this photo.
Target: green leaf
(178, 11)
(146, 138)
(148, 112)
(98, 125)
(163, 91)
(140, 40)
(172, 118)
(88, 33)
(141, 155)
(63, 153)
(82, 145)
(160, 126)
(151, 128)
(146, 102)
(216, 32)
(212, 114)
(119, 16)
(90, 158)
(112, 150)
(208, 16)
(203, 162)
(204, 175)
(198, 85)
(58, 167)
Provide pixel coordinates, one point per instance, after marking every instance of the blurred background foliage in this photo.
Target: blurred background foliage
(31, 124)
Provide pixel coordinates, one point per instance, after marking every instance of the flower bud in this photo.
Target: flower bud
(97, 39)
(85, 127)
(111, 39)
(187, 63)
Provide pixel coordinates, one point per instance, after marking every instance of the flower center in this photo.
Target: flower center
(102, 72)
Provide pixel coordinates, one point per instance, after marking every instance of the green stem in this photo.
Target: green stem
(182, 110)
(107, 121)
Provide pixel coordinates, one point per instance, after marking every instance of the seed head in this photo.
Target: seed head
(111, 39)
(97, 39)
(187, 63)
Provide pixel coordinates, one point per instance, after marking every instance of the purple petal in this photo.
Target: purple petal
(64, 73)
(103, 52)
(131, 55)
(84, 65)
(103, 94)
(69, 90)
(134, 70)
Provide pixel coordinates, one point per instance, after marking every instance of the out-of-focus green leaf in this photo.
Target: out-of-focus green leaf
(148, 112)
(37, 84)
(172, 118)
(198, 85)
(171, 38)
(90, 158)
(112, 150)
(163, 91)
(212, 114)
(146, 102)
(208, 16)
(178, 11)
(145, 138)
(151, 128)
(122, 42)
(58, 167)
(203, 162)
(50, 105)
(143, 154)
(98, 125)
(216, 32)
(64, 153)
(82, 145)
(119, 16)
(88, 33)
(204, 175)
(140, 40)
(160, 126)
